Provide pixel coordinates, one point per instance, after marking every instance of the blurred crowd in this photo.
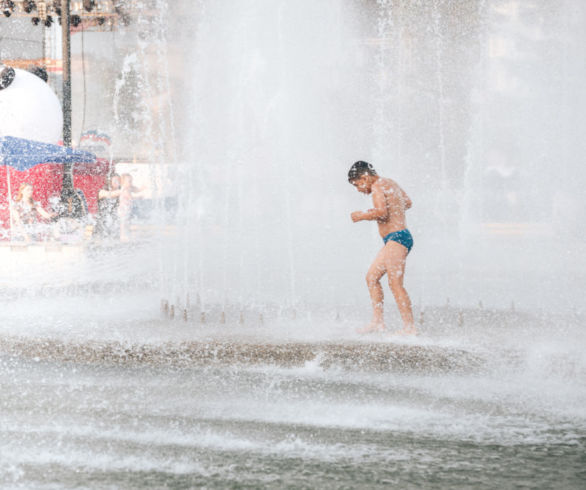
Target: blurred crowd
(67, 219)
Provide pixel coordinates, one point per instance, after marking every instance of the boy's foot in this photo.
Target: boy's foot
(371, 328)
(406, 331)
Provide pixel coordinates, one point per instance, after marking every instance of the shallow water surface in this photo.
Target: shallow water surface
(65, 425)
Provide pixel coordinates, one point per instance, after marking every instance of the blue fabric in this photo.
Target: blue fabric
(24, 154)
(402, 236)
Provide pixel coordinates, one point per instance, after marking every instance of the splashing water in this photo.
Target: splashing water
(476, 108)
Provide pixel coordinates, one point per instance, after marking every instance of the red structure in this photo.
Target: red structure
(41, 165)
(46, 178)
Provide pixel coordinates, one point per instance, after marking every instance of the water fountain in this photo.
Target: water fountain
(241, 365)
(419, 90)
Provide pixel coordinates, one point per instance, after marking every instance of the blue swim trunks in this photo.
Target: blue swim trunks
(402, 236)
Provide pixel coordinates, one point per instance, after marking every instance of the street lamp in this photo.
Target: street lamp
(97, 14)
(7, 7)
(66, 56)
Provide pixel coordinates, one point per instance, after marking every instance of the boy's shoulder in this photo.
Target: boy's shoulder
(385, 184)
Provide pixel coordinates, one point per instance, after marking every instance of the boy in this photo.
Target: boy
(390, 203)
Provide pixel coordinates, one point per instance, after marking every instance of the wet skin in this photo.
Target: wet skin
(390, 203)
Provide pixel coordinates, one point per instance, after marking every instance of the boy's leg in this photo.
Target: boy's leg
(375, 272)
(395, 259)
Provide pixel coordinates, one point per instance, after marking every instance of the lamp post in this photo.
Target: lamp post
(66, 54)
(99, 15)
(67, 187)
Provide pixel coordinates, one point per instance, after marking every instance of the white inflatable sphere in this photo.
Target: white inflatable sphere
(30, 109)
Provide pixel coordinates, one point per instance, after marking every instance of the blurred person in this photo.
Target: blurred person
(28, 214)
(107, 222)
(128, 192)
(390, 203)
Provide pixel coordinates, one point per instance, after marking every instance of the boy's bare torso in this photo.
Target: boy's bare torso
(387, 194)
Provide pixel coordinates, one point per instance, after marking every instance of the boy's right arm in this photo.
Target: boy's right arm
(380, 210)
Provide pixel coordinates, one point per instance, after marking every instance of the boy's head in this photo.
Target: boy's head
(362, 175)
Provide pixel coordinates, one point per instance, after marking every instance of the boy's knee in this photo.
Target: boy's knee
(396, 286)
(371, 279)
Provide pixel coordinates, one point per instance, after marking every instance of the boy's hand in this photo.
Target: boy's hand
(356, 216)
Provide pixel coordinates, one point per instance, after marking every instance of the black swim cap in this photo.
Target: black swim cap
(359, 169)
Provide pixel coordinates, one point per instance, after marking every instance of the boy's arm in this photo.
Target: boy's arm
(379, 211)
